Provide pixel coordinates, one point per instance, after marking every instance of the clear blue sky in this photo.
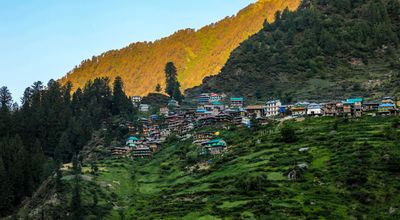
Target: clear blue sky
(44, 39)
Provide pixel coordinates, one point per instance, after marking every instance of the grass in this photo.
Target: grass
(231, 189)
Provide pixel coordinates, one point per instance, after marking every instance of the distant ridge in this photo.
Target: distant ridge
(197, 54)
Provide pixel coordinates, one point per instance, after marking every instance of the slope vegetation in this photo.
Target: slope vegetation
(350, 170)
(325, 50)
(196, 54)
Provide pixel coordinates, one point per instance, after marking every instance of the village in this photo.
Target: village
(220, 111)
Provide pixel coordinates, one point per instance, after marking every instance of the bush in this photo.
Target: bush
(247, 183)
(288, 134)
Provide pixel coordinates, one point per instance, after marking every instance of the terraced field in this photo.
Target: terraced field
(351, 170)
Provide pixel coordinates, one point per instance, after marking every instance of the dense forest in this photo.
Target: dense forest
(49, 128)
(323, 51)
(196, 53)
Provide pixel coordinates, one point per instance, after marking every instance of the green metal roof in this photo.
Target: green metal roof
(238, 99)
(215, 143)
(133, 138)
(354, 100)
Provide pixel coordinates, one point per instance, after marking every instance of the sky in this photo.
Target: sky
(44, 39)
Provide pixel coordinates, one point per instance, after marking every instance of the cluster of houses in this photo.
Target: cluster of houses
(142, 145)
(217, 110)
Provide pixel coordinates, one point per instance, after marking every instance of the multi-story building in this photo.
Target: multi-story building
(272, 108)
(314, 109)
(237, 102)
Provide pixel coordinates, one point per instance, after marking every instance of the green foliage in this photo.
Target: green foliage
(49, 128)
(158, 88)
(317, 52)
(288, 134)
(173, 86)
(339, 177)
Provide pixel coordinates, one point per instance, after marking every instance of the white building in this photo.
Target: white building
(272, 108)
(144, 108)
(314, 109)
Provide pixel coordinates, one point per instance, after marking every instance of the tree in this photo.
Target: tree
(255, 124)
(173, 86)
(5, 98)
(76, 202)
(64, 149)
(288, 134)
(121, 103)
(6, 195)
(158, 88)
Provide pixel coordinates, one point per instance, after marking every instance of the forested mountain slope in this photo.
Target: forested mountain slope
(196, 54)
(326, 49)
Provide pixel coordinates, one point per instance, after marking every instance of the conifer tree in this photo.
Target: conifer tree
(6, 195)
(173, 86)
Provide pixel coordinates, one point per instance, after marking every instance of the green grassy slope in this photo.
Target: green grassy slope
(353, 172)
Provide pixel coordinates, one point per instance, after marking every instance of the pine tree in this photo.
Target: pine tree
(121, 103)
(76, 202)
(173, 86)
(64, 149)
(158, 88)
(6, 195)
(5, 98)
(171, 78)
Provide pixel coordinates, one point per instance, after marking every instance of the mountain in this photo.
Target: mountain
(196, 54)
(347, 169)
(325, 50)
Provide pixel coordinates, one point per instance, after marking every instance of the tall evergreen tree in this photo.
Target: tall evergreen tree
(121, 103)
(64, 149)
(5, 98)
(173, 86)
(6, 194)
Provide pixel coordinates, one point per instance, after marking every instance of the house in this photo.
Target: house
(370, 106)
(236, 102)
(272, 108)
(330, 109)
(353, 107)
(173, 103)
(141, 152)
(144, 108)
(204, 98)
(214, 97)
(258, 110)
(154, 146)
(213, 147)
(202, 137)
(246, 121)
(164, 111)
(388, 100)
(387, 109)
(283, 110)
(136, 99)
(120, 151)
(299, 109)
(339, 108)
(132, 140)
(314, 109)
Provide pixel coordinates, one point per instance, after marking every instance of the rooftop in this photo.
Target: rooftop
(237, 99)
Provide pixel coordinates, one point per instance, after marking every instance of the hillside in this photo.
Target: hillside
(350, 170)
(196, 54)
(325, 50)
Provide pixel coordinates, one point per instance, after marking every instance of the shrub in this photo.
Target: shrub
(247, 183)
(288, 134)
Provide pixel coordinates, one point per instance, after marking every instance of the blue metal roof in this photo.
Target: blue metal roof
(386, 105)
